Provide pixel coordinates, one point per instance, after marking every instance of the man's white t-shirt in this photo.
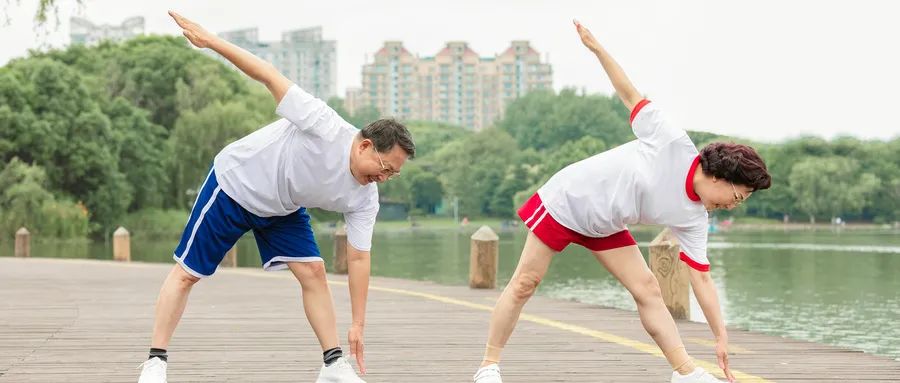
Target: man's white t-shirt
(301, 160)
(648, 180)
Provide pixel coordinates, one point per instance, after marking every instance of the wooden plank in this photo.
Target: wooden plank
(81, 320)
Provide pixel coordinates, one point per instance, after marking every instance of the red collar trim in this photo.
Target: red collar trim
(689, 182)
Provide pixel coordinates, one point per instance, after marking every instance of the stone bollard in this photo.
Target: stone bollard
(121, 245)
(340, 249)
(483, 257)
(672, 274)
(230, 259)
(23, 243)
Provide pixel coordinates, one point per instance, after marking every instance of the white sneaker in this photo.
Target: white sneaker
(153, 371)
(698, 376)
(488, 374)
(340, 371)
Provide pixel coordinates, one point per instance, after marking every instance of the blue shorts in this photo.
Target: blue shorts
(217, 222)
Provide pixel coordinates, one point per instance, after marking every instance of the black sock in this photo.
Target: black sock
(158, 353)
(332, 355)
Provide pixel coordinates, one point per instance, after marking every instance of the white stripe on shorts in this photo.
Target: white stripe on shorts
(534, 214)
(206, 207)
(200, 190)
(538, 222)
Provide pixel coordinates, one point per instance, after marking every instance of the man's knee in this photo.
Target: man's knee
(309, 272)
(182, 278)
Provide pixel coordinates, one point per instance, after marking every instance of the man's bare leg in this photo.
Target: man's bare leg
(170, 305)
(317, 301)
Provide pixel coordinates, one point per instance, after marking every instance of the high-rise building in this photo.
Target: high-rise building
(456, 85)
(352, 99)
(82, 31)
(301, 55)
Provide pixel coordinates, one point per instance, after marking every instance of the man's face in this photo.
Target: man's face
(378, 167)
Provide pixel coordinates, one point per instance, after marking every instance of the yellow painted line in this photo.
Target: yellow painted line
(640, 346)
(709, 343)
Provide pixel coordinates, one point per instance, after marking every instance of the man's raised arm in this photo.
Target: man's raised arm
(258, 69)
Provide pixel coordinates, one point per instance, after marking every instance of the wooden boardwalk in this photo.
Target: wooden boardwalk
(90, 321)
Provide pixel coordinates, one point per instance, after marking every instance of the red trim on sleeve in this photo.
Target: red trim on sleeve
(637, 108)
(689, 181)
(693, 264)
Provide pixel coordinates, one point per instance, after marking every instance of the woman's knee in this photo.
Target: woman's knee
(523, 285)
(647, 288)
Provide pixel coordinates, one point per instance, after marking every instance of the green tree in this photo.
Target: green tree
(831, 185)
(91, 171)
(515, 180)
(417, 187)
(473, 168)
(544, 120)
(337, 104)
(160, 74)
(397, 190)
(431, 136)
(24, 201)
(23, 194)
(199, 136)
(571, 152)
(142, 153)
(61, 128)
(426, 191)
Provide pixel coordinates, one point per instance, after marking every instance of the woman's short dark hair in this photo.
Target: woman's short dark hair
(735, 163)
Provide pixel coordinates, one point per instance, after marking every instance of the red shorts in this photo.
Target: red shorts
(557, 236)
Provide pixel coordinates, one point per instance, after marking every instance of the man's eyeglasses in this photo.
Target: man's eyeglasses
(390, 173)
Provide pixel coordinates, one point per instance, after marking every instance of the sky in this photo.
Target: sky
(767, 70)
